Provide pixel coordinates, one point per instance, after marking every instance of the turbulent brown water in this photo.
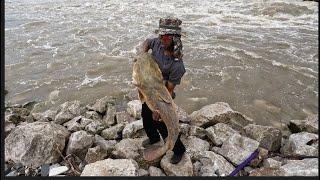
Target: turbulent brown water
(260, 56)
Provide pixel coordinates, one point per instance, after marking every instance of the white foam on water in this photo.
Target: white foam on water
(90, 81)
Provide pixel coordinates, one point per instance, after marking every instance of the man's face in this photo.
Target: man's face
(166, 40)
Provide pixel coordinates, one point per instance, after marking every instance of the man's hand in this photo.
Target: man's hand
(156, 115)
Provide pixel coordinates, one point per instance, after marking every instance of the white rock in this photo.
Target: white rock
(58, 170)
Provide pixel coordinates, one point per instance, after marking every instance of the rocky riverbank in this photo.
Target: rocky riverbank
(98, 140)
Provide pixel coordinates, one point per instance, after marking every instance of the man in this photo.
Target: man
(167, 51)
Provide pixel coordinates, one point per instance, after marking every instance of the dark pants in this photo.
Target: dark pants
(151, 126)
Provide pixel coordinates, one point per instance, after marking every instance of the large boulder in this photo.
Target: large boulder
(112, 167)
(237, 148)
(36, 143)
(310, 124)
(268, 137)
(219, 112)
(219, 133)
(132, 128)
(183, 168)
(301, 144)
(79, 143)
(134, 108)
(305, 167)
(114, 132)
(68, 111)
(194, 146)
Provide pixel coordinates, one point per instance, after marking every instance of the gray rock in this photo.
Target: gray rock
(20, 111)
(109, 119)
(101, 105)
(184, 129)
(95, 154)
(124, 117)
(263, 154)
(237, 148)
(95, 127)
(127, 149)
(270, 162)
(78, 123)
(132, 95)
(213, 164)
(299, 144)
(183, 168)
(197, 131)
(196, 168)
(305, 167)
(114, 132)
(8, 127)
(194, 146)
(132, 128)
(13, 118)
(219, 133)
(182, 115)
(218, 112)
(13, 173)
(107, 146)
(79, 143)
(154, 171)
(112, 167)
(68, 111)
(29, 105)
(93, 115)
(310, 124)
(268, 137)
(46, 116)
(143, 172)
(266, 171)
(134, 108)
(58, 170)
(45, 168)
(36, 143)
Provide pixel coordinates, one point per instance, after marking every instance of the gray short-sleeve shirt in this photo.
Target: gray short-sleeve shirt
(172, 70)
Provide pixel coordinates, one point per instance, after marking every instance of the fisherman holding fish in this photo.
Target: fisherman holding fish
(167, 52)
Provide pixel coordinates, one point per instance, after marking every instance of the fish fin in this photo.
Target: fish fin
(154, 152)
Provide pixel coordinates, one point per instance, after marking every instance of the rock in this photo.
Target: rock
(29, 105)
(196, 168)
(95, 127)
(46, 116)
(28, 119)
(305, 167)
(270, 162)
(194, 146)
(310, 124)
(219, 112)
(13, 173)
(182, 115)
(263, 154)
(107, 146)
(112, 167)
(124, 117)
(93, 115)
(213, 164)
(183, 168)
(101, 105)
(78, 123)
(58, 170)
(109, 119)
(68, 111)
(143, 172)
(184, 129)
(13, 118)
(45, 169)
(114, 132)
(35, 143)
(20, 111)
(197, 131)
(154, 171)
(132, 95)
(268, 137)
(8, 127)
(219, 133)
(301, 144)
(127, 149)
(95, 154)
(266, 171)
(132, 128)
(237, 148)
(134, 108)
(79, 143)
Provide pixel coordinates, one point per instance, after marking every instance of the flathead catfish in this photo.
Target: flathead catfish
(147, 77)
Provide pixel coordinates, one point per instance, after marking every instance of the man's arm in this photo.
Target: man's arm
(170, 86)
(144, 47)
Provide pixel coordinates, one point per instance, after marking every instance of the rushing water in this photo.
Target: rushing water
(260, 56)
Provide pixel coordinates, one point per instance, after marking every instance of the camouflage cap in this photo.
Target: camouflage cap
(169, 25)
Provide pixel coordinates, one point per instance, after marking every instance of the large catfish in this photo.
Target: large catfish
(147, 77)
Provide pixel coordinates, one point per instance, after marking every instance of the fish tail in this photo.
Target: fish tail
(154, 152)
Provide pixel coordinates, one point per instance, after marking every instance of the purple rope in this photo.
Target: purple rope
(244, 163)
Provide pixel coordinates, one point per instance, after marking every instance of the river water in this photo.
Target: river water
(260, 56)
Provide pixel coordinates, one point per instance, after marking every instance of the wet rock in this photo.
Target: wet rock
(38, 143)
(266, 171)
(79, 143)
(237, 148)
(107, 146)
(95, 127)
(183, 168)
(93, 115)
(182, 115)
(78, 123)
(143, 172)
(124, 117)
(197, 132)
(132, 128)
(68, 111)
(194, 146)
(58, 170)
(270, 162)
(219, 133)
(113, 133)
(213, 164)
(301, 144)
(154, 171)
(218, 112)
(268, 137)
(109, 119)
(95, 154)
(310, 124)
(112, 167)
(134, 108)
(305, 167)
